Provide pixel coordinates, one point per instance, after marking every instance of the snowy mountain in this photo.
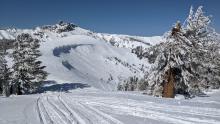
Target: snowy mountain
(76, 55)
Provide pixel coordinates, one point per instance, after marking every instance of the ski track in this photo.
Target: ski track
(78, 109)
(61, 112)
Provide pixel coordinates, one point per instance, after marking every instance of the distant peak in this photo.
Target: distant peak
(60, 27)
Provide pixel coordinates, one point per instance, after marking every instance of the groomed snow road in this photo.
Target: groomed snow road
(121, 108)
(86, 106)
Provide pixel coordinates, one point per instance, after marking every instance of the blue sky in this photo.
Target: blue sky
(134, 17)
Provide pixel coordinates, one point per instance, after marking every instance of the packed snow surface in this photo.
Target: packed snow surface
(91, 106)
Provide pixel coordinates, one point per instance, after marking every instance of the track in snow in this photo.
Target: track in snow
(56, 110)
(84, 109)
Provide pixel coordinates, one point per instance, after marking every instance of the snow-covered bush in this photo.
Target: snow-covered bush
(129, 85)
(133, 83)
(138, 51)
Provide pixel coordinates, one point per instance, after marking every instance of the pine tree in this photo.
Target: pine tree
(28, 72)
(205, 39)
(37, 70)
(5, 74)
(188, 60)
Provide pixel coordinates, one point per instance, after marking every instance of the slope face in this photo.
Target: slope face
(77, 55)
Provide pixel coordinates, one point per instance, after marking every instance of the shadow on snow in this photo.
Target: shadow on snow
(65, 87)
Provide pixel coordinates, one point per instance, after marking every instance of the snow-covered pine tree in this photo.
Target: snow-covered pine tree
(206, 41)
(131, 84)
(5, 74)
(188, 61)
(21, 79)
(28, 72)
(37, 69)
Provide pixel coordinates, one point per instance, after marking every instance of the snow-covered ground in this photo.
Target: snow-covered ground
(90, 106)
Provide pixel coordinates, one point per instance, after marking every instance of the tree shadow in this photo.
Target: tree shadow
(66, 48)
(65, 87)
(67, 65)
(203, 95)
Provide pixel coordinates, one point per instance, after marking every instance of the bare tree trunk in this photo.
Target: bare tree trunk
(5, 91)
(168, 89)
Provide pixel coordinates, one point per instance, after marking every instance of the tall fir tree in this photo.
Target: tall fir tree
(28, 72)
(189, 58)
(37, 70)
(5, 74)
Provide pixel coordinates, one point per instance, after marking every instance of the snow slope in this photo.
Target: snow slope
(82, 56)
